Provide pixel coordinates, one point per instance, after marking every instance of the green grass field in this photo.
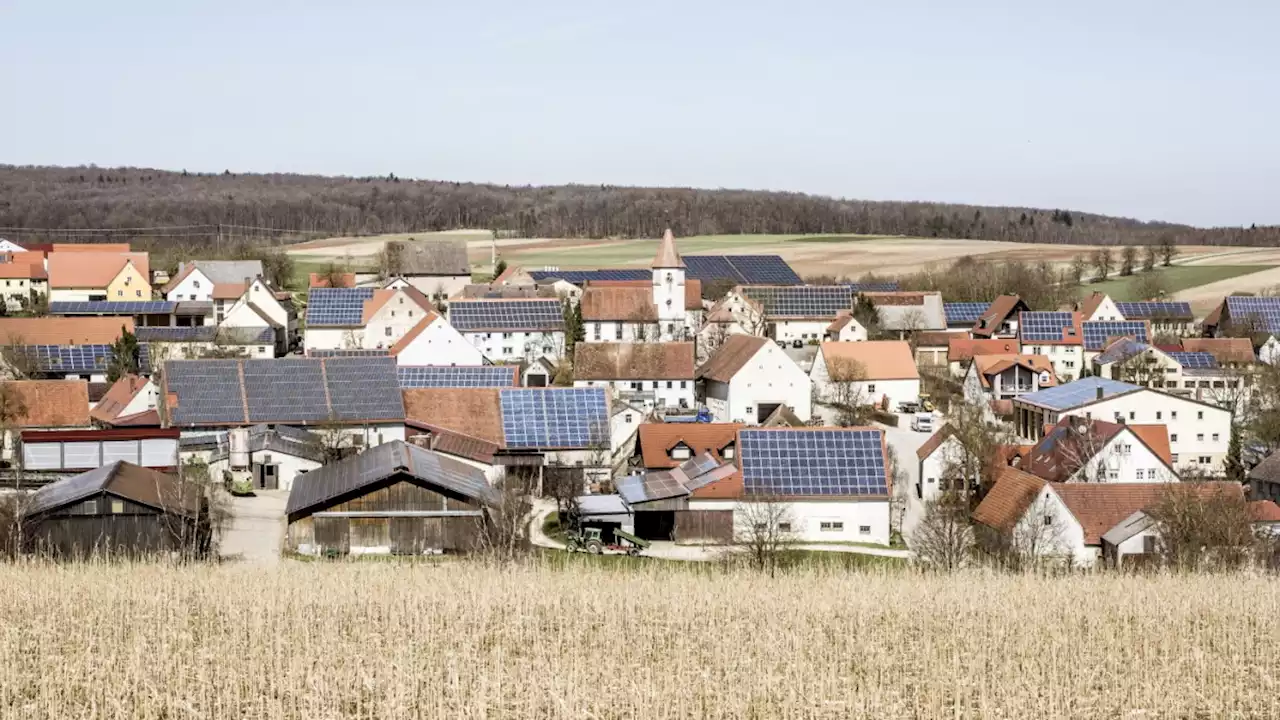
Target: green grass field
(1177, 278)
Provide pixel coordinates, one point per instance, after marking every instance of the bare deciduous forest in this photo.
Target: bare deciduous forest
(294, 207)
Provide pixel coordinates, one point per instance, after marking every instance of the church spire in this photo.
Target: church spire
(667, 255)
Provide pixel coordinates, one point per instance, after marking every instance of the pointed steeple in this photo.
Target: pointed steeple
(667, 255)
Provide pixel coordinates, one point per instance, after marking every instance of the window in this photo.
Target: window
(1149, 544)
(1200, 415)
(119, 293)
(655, 385)
(617, 332)
(393, 313)
(681, 452)
(831, 526)
(1048, 519)
(864, 529)
(506, 351)
(195, 284)
(137, 293)
(682, 384)
(388, 331)
(1140, 474)
(931, 481)
(1199, 437)
(506, 336)
(1126, 449)
(1158, 414)
(1113, 474)
(1132, 415)
(1173, 459)
(1173, 437)
(1215, 437)
(670, 384)
(1205, 460)
(596, 331)
(1173, 414)
(89, 507)
(117, 507)
(410, 313)
(262, 348)
(871, 387)
(626, 418)
(784, 527)
(1069, 363)
(727, 453)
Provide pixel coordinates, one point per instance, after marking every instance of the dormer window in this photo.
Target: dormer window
(727, 452)
(681, 452)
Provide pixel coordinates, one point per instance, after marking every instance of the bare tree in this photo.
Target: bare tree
(1039, 536)
(1142, 369)
(1103, 263)
(1200, 528)
(847, 391)
(504, 533)
(944, 538)
(19, 361)
(1150, 254)
(1079, 266)
(754, 317)
(1168, 250)
(1128, 260)
(765, 530)
(971, 457)
(1150, 286)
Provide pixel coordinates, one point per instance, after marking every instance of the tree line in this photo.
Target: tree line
(296, 207)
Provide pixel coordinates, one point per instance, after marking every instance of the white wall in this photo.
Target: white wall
(1136, 545)
(14, 288)
(329, 338)
(679, 394)
(804, 330)
(195, 286)
(1068, 360)
(507, 346)
(1107, 311)
(631, 332)
(933, 468)
(807, 517)
(1120, 460)
(390, 323)
(76, 294)
(854, 332)
(439, 344)
(445, 285)
(769, 377)
(376, 434)
(1062, 536)
(1186, 421)
(290, 466)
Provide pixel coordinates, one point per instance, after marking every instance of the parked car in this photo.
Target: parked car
(922, 422)
(797, 343)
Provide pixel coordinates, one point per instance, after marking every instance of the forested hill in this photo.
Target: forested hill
(306, 205)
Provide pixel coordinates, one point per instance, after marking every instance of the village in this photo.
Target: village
(617, 411)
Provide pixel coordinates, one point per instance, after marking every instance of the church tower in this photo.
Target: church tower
(668, 289)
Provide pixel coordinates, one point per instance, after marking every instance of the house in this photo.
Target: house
(1000, 318)
(1199, 432)
(625, 422)
(1000, 378)
(270, 457)
(1069, 521)
(1229, 352)
(1099, 307)
(1178, 372)
(261, 306)
(118, 510)
(1264, 479)
(663, 307)
(1166, 317)
(941, 459)
(356, 398)
(1099, 335)
(9, 246)
(661, 503)
(88, 276)
(662, 446)
(647, 374)
(395, 499)
(362, 318)
(719, 269)
(1057, 335)
(750, 377)
(932, 347)
(54, 454)
(1084, 450)
(877, 372)
(494, 291)
(511, 330)
(845, 328)
(961, 351)
(433, 341)
(541, 372)
(23, 280)
(197, 280)
(207, 341)
(437, 268)
(145, 313)
(43, 405)
(791, 313)
(962, 315)
(130, 402)
(905, 312)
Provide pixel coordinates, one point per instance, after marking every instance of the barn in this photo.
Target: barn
(395, 498)
(118, 510)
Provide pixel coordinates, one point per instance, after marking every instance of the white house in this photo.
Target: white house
(23, 280)
(1199, 432)
(363, 318)
(433, 341)
(196, 280)
(1094, 451)
(130, 402)
(748, 377)
(511, 330)
(646, 374)
(9, 246)
(1195, 374)
(845, 328)
(1099, 307)
(1056, 335)
(669, 307)
(270, 458)
(998, 378)
(439, 269)
(939, 457)
(876, 372)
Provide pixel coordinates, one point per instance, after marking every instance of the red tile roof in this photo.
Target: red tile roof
(1098, 507)
(122, 392)
(94, 269)
(1264, 511)
(880, 359)
(52, 403)
(1008, 500)
(657, 439)
(734, 353)
(996, 314)
(469, 411)
(53, 330)
(961, 348)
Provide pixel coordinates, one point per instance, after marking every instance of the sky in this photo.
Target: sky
(1156, 110)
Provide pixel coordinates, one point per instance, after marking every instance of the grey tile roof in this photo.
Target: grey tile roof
(229, 271)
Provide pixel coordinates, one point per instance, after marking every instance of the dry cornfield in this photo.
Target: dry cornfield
(386, 640)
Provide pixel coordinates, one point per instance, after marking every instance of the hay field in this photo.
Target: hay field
(384, 640)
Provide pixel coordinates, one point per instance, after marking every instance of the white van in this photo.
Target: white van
(922, 422)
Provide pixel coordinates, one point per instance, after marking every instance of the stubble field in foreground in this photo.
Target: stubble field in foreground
(465, 641)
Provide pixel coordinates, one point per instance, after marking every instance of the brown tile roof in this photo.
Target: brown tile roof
(736, 351)
(960, 348)
(1214, 318)
(880, 359)
(53, 330)
(228, 291)
(178, 277)
(122, 392)
(470, 411)
(374, 304)
(633, 361)
(456, 443)
(896, 297)
(1098, 507)
(407, 339)
(989, 365)
(843, 317)
(23, 269)
(1069, 446)
(1006, 454)
(1156, 438)
(934, 338)
(934, 442)
(630, 304)
(995, 315)
(656, 439)
(1268, 470)
(1264, 511)
(692, 290)
(729, 488)
(1225, 350)
(90, 248)
(93, 269)
(1089, 305)
(1008, 500)
(667, 256)
(52, 403)
(322, 280)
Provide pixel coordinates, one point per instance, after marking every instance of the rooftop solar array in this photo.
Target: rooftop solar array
(336, 307)
(554, 418)
(69, 358)
(1263, 312)
(347, 353)
(964, 313)
(473, 376)
(578, 277)
(507, 315)
(1121, 350)
(1044, 326)
(1155, 310)
(650, 487)
(820, 301)
(891, 286)
(298, 390)
(70, 489)
(738, 269)
(1080, 392)
(103, 307)
(1195, 360)
(813, 462)
(1097, 333)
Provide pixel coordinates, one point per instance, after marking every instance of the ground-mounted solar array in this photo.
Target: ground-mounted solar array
(336, 307)
(578, 277)
(1260, 313)
(103, 307)
(965, 313)
(507, 315)
(802, 301)
(555, 418)
(834, 462)
(1155, 310)
(457, 376)
(1194, 360)
(1096, 334)
(1080, 392)
(1044, 326)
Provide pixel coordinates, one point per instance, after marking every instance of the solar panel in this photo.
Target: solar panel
(363, 388)
(69, 358)
(507, 315)
(1162, 310)
(103, 307)
(1121, 350)
(1044, 326)
(285, 390)
(1080, 392)
(555, 417)
(346, 353)
(336, 306)
(578, 277)
(820, 301)
(709, 268)
(1194, 360)
(457, 376)
(1262, 312)
(199, 333)
(873, 287)
(964, 313)
(208, 391)
(761, 270)
(1097, 333)
(813, 462)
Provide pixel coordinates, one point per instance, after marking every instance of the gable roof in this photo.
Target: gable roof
(132, 482)
(1156, 438)
(430, 257)
(988, 365)
(1264, 511)
(1268, 470)
(407, 339)
(1225, 350)
(935, 441)
(93, 269)
(961, 348)
(732, 355)
(633, 361)
(657, 439)
(1068, 447)
(880, 359)
(612, 303)
(118, 397)
(1099, 507)
(470, 411)
(64, 330)
(52, 403)
(1007, 501)
(23, 269)
(996, 314)
(226, 271)
(1090, 304)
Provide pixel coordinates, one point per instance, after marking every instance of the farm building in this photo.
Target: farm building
(662, 446)
(749, 377)
(45, 405)
(906, 312)
(119, 509)
(645, 374)
(363, 318)
(876, 372)
(510, 330)
(437, 268)
(662, 503)
(393, 499)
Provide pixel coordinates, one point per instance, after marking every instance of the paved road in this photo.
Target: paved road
(256, 531)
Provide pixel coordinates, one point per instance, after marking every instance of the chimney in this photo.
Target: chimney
(1099, 392)
(247, 282)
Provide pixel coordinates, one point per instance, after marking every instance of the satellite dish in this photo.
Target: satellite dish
(1045, 377)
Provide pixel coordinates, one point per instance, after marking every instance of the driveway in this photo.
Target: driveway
(905, 442)
(255, 533)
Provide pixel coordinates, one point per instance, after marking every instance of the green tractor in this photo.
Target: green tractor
(589, 540)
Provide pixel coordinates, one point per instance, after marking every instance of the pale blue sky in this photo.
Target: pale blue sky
(1157, 110)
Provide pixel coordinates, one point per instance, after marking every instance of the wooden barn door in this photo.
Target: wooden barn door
(704, 526)
(331, 534)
